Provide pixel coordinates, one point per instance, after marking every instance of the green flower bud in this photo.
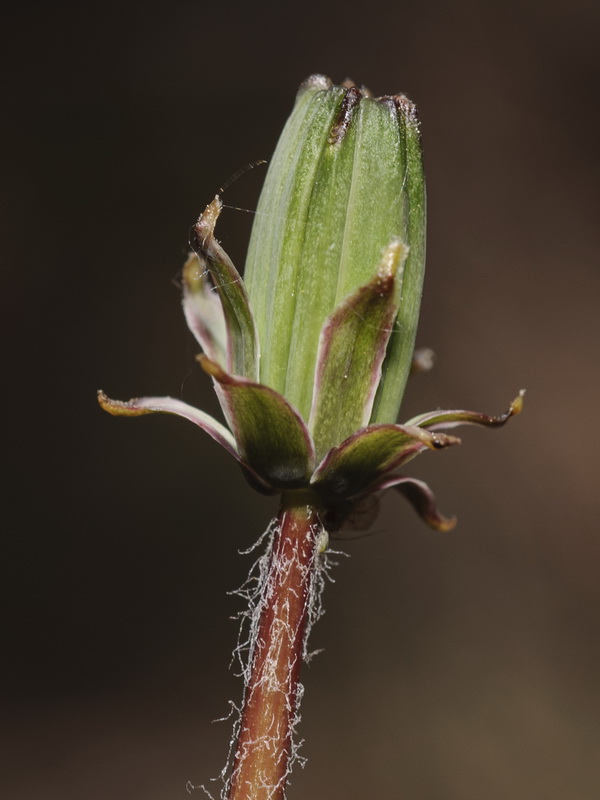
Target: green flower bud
(345, 182)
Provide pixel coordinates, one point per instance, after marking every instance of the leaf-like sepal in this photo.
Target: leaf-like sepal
(444, 420)
(271, 436)
(139, 406)
(367, 456)
(242, 341)
(421, 498)
(351, 350)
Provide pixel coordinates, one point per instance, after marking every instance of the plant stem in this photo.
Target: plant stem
(264, 746)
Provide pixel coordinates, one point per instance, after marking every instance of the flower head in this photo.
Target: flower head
(310, 353)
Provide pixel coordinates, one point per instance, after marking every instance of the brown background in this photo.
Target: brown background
(456, 667)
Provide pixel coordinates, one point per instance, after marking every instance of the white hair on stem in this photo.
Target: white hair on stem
(257, 590)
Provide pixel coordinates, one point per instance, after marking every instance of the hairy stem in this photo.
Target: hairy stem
(264, 746)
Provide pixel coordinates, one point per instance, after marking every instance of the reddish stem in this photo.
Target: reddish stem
(263, 748)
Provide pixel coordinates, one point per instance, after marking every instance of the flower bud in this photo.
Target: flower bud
(345, 182)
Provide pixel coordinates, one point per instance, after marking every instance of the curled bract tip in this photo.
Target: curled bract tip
(207, 221)
(119, 408)
(517, 404)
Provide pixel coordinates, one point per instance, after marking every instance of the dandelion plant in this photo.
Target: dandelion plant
(309, 355)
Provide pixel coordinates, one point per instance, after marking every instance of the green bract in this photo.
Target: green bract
(310, 353)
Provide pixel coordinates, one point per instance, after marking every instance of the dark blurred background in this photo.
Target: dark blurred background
(457, 666)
